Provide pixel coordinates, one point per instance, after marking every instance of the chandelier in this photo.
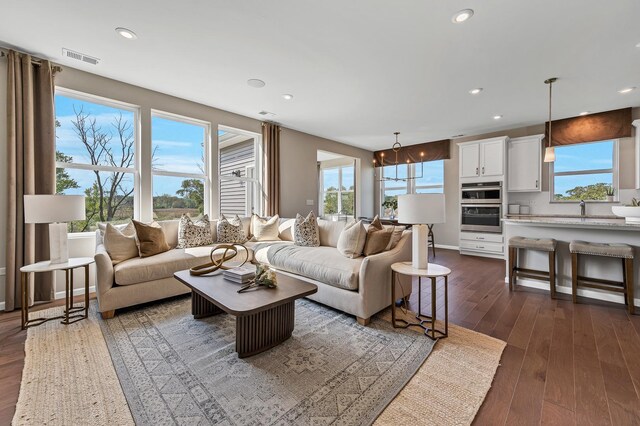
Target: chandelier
(396, 148)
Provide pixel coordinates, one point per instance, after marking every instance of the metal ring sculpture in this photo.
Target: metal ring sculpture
(230, 251)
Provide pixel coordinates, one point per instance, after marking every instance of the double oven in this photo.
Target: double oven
(481, 207)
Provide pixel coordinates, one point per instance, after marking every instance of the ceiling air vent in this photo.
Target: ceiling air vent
(80, 57)
(267, 114)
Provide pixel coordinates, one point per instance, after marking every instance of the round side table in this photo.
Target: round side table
(67, 267)
(426, 322)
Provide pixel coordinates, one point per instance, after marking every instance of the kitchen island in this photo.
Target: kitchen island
(564, 229)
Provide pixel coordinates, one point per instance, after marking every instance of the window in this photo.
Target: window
(429, 179)
(179, 166)
(239, 154)
(96, 156)
(585, 171)
(337, 190)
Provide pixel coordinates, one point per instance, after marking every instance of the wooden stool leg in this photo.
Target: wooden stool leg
(552, 273)
(512, 262)
(574, 277)
(628, 272)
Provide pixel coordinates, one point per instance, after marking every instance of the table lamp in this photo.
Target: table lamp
(56, 210)
(419, 210)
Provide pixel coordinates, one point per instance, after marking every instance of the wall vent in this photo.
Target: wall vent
(80, 56)
(267, 114)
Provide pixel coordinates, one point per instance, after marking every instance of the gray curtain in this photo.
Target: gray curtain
(271, 168)
(30, 170)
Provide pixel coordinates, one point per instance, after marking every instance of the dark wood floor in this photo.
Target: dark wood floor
(564, 364)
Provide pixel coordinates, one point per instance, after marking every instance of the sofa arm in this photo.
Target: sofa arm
(104, 272)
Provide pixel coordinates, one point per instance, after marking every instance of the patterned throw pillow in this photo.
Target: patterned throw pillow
(305, 231)
(194, 234)
(231, 231)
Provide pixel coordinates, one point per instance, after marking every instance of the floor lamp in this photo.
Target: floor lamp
(419, 210)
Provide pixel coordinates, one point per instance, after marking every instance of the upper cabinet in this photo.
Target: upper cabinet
(525, 164)
(482, 159)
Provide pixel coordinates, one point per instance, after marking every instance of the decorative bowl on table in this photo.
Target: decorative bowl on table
(631, 214)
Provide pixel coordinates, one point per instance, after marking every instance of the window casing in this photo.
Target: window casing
(584, 172)
(337, 190)
(180, 166)
(431, 181)
(97, 147)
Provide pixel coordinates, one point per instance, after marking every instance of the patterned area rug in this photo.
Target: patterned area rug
(175, 369)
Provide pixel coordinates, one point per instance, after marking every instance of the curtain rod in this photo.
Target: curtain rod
(4, 52)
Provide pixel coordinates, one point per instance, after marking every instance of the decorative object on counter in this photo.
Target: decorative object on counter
(631, 213)
(525, 210)
(540, 244)
(611, 192)
(620, 251)
(420, 210)
(514, 208)
(392, 204)
(230, 251)
(550, 152)
(265, 277)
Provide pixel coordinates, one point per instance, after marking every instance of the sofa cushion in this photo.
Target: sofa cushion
(164, 265)
(285, 230)
(324, 264)
(170, 228)
(305, 231)
(330, 231)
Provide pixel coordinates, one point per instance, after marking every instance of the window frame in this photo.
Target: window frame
(135, 170)
(206, 155)
(410, 185)
(615, 171)
(339, 192)
(258, 192)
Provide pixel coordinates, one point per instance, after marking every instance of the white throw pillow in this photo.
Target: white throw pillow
(352, 240)
(305, 231)
(265, 229)
(231, 231)
(194, 234)
(120, 244)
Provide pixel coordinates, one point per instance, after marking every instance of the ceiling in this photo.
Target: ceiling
(359, 69)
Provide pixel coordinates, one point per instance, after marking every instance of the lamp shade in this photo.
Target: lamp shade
(53, 208)
(417, 209)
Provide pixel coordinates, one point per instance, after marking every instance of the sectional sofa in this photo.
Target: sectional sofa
(360, 287)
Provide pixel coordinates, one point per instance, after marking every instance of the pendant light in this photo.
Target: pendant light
(396, 148)
(550, 152)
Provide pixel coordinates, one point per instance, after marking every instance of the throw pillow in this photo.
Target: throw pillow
(151, 239)
(396, 235)
(194, 234)
(231, 231)
(305, 231)
(120, 244)
(265, 229)
(378, 237)
(352, 240)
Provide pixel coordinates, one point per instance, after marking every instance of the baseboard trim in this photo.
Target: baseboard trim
(583, 292)
(447, 247)
(76, 292)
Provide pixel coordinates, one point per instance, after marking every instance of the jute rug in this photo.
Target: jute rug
(448, 389)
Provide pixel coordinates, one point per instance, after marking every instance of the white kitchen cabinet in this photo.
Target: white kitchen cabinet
(484, 158)
(524, 157)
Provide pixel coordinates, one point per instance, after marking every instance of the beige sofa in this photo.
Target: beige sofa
(360, 287)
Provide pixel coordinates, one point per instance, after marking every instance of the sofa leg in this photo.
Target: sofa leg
(108, 314)
(363, 321)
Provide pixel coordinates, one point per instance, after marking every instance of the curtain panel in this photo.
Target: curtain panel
(30, 170)
(271, 168)
(429, 151)
(591, 128)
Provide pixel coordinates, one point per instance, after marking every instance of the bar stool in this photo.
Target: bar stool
(539, 244)
(620, 251)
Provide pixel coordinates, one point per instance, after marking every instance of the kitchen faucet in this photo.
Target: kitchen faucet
(583, 208)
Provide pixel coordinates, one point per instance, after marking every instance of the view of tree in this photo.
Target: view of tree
(193, 191)
(331, 201)
(63, 180)
(596, 191)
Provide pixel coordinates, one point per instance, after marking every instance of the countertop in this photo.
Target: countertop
(600, 222)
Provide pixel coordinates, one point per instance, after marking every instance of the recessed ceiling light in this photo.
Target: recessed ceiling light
(638, 45)
(497, 117)
(585, 113)
(287, 96)
(462, 16)
(126, 33)
(476, 90)
(254, 82)
(626, 90)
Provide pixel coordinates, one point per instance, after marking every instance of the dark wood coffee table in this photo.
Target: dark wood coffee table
(264, 316)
